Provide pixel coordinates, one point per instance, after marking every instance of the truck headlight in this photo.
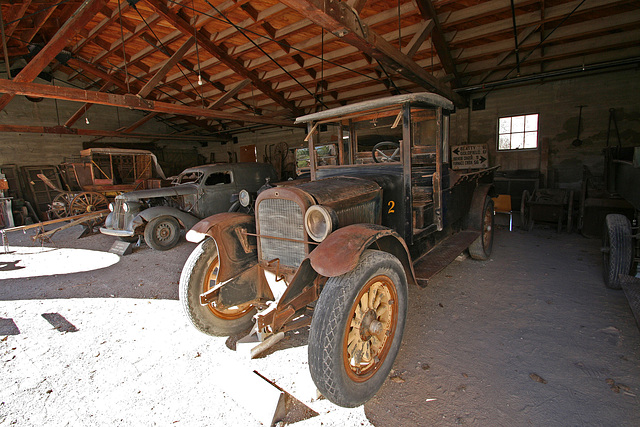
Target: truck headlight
(320, 221)
(245, 198)
(110, 207)
(125, 207)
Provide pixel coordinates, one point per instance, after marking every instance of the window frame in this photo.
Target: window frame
(524, 132)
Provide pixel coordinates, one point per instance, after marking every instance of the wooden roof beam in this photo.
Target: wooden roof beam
(78, 20)
(61, 130)
(182, 23)
(13, 88)
(83, 110)
(230, 94)
(418, 38)
(343, 22)
(428, 12)
(166, 67)
(38, 23)
(15, 18)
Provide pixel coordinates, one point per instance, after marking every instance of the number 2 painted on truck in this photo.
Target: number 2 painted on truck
(392, 205)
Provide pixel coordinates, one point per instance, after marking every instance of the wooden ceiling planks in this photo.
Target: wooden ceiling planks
(295, 65)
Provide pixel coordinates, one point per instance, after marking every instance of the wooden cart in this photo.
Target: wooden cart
(99, 174)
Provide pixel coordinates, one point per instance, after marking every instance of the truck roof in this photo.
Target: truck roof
(424, 98)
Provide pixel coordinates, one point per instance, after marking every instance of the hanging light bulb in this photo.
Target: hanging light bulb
(86, 120)
(199, 79)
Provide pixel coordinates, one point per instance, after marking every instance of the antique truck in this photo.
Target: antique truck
(159, 214)
(339, 251)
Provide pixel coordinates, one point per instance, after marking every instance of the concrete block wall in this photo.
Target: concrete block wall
(557, 103)
(25, 149)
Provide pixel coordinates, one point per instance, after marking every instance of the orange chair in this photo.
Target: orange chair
(502, 204)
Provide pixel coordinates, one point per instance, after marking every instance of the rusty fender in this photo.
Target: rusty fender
(237, 251)
(340, 252)
(473, 219)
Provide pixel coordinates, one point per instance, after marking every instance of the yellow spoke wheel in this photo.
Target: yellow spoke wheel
(356, 329)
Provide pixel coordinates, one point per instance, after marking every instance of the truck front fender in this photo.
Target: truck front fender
(340, 252)
(237, 250)
(187, 220)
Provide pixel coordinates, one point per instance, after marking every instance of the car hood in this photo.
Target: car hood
(177, 190)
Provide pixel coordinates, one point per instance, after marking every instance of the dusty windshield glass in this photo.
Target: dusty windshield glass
(381, 133)
(188, 177)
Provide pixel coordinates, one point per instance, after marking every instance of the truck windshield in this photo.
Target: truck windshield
(188, 177)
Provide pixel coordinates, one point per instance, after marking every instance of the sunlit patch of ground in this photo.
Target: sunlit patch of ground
(23, 262)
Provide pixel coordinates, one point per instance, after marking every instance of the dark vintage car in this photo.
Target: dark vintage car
(158, 214)
(339, 251)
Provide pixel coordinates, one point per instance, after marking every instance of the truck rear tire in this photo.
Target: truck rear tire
(356, 329)
(481, 248)
(198, 276)
(617, 247)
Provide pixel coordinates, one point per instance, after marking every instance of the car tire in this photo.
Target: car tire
(617, 249)
(162, 233)
(336, 343)
(198, 276)
(481, 248)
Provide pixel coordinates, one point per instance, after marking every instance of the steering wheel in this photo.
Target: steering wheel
(380, 157)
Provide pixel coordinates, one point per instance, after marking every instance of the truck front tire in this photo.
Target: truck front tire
(357, 328)
(200, 274)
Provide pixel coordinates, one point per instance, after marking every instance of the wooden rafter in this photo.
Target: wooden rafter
(429, 13)
(127, 101)
(61, 130)
(182, 23)
(168, 65)
(85, 12)
(341, 20)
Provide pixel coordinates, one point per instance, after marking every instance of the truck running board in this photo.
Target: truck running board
(631, 286)
(442, 255)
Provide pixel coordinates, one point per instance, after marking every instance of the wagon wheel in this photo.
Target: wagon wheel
(526, 220)
(570, 212)
(88, 202)
(59, 207)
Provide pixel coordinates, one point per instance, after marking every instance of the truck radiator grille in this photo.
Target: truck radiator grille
(118, 214)
(284, 219)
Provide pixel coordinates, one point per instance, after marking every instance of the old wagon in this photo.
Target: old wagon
(102, 173)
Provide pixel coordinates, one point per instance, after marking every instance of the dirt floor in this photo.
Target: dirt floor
(530, 337)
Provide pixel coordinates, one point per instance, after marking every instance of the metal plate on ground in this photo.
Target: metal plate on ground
(121, 248)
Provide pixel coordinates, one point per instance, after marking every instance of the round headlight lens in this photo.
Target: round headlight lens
(125, 207)
(110, 207)
(244, 198)
(320, 221)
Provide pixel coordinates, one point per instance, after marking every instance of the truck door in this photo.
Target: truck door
(217, 188)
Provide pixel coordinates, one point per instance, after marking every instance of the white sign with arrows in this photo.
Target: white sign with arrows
(470, 156)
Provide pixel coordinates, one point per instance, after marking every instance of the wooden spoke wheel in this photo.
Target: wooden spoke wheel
(526, 219)
(88, 202)
(357, 328)
(373, 321)
(218, 309)
(200, 274)
(60, 206)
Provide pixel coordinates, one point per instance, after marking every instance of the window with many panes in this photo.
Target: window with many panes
(518, 132)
